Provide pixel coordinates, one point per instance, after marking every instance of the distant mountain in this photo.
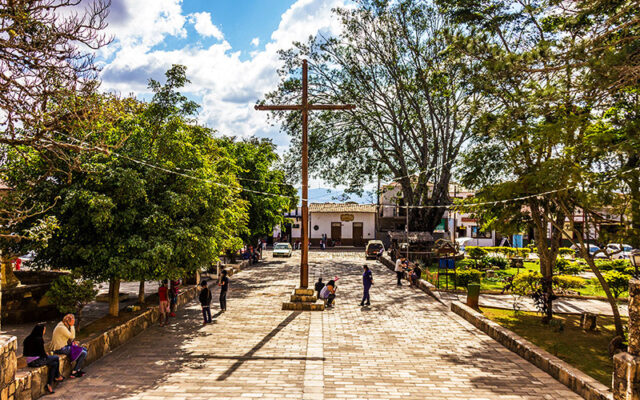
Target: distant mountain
(326, 195)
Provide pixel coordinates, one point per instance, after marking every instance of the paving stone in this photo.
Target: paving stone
(404, 346)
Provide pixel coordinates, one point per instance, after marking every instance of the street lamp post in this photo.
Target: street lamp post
(635, 260)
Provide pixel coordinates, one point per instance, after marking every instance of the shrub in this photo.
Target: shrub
(70, 295)
(568, 282)
(566, 251)
(611, 265)
(465, 277)
(565, 267)
(526, 282)
(618, 282)
(476, 252)
(464, 264)
(499, 262)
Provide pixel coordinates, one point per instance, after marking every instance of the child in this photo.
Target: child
(205, 302)
(319, 285)
(224, 286)
(164, 302)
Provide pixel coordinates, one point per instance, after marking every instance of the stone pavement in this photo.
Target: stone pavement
(560, 305)
(405, 346)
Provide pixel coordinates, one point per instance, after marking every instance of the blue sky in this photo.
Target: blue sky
(229, 47)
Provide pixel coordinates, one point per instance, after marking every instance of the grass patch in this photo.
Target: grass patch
(587, 351)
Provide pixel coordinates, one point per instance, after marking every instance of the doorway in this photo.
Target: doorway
(336, 231)
(357, 234)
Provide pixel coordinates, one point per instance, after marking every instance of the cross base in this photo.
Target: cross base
(303, 300)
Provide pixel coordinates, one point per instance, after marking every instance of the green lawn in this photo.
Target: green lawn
(587, 351)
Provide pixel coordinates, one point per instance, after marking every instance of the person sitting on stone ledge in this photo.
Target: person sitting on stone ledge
(63, 342)
(34, 352)
(328, 293)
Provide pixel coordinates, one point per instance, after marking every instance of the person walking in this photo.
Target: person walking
(63, 342)
(399, 269)
(163, 299)
(224, 286)
(205, 301)
(367, 281)
(36, 356)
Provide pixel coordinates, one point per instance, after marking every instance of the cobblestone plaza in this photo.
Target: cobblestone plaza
(405, 346)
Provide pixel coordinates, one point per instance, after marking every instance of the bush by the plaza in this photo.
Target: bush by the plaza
(613, 265)
(526, 282)
(566, 267)
(464, 277)
(617, 281)
(496, 261)
(476, 252)
(70, 294)
(568, 282)
(464, 264)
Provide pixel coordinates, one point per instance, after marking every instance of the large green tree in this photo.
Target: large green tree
(414, 102)
(266, 192)
(163, 205)
(533, 134)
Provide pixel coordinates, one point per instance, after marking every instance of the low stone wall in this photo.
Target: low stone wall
(423, 285)
(574, 379)
(8, 366)
(30, 382)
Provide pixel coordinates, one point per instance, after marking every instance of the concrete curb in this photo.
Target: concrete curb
(576, 380)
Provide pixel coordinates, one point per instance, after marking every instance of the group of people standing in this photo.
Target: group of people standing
(62, 343)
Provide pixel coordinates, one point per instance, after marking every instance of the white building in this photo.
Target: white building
(344, 224)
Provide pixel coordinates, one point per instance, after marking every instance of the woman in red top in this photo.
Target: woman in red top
(164, 302)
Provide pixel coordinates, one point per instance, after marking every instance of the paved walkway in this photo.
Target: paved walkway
(405, 346)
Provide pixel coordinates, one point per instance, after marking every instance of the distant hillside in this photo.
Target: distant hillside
(326, 195)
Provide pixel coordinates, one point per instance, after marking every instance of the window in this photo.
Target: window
(477, 234)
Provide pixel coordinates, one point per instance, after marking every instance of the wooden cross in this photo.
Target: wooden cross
(305, 107)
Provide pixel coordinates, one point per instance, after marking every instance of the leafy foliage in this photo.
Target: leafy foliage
(618, 282)
(466, 276)
(70, 294)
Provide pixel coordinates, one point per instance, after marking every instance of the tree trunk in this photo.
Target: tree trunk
(114, 297)
(634, 190)
(546, 269)
(605, 286)
(141, 292)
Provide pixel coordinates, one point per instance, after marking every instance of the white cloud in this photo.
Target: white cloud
(228, 85)
(204, 26)
(255, 41)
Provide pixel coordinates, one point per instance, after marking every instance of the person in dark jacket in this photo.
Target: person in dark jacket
(33, 350)
(319, 285)
(205, 302)
(367, 281)
(224, 286)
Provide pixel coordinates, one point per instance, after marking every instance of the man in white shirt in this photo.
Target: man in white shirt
(399, 269)
(63, 339)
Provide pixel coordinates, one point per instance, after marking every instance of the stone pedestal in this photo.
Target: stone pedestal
(303, 300)
(473, 295)
(626, 371)
(588, 321)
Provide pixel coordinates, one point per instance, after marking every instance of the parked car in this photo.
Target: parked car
(374, 249)
(615, 248)
(282, 250)
(592, 249)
